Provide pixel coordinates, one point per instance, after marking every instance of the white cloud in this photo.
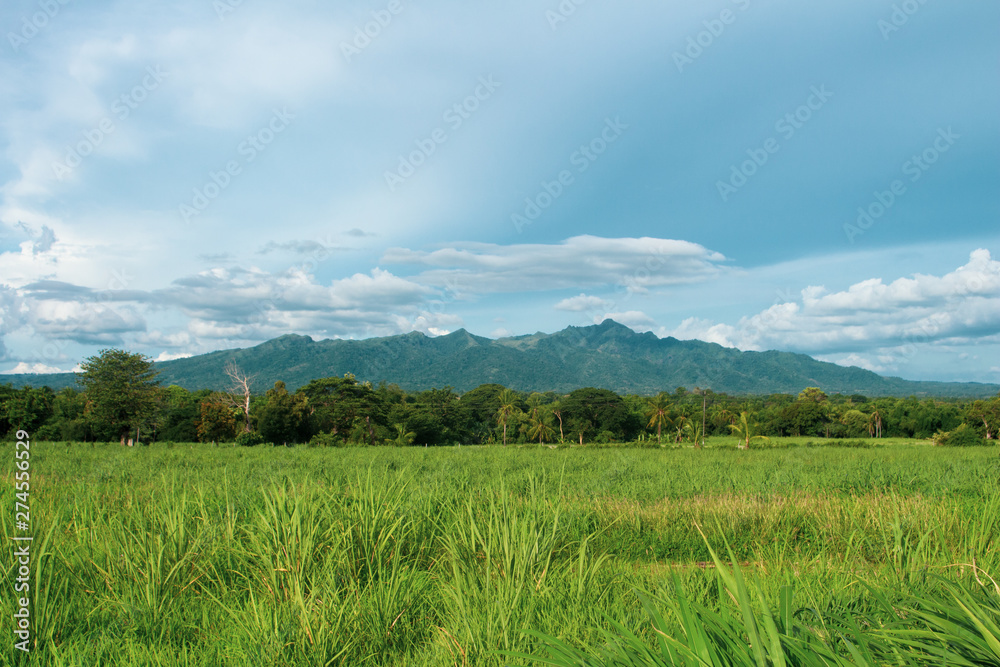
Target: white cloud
(25, 367)
(632, 265)
(582, 303)
(170, 356)
(860, 361)
(961, 306)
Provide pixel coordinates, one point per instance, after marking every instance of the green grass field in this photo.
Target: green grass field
(201, 555)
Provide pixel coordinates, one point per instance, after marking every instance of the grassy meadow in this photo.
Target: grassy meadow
(787, 554)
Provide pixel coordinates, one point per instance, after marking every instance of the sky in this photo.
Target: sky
(183, 177)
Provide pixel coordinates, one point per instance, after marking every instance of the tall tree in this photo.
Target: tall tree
(659, 407)
(239, 391)
(508, 406)
(122, 390)
(539, 426)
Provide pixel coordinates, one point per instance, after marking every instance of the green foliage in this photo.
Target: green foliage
(283, 418)
(122, 391)
(326, 440)
(251, 439)
(963, 436)
(590, 411)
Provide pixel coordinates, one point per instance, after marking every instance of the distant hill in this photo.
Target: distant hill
(608, 356)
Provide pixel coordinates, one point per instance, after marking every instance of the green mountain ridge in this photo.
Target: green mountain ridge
(607, 356)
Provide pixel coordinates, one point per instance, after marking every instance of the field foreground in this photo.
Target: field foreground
(197, 555)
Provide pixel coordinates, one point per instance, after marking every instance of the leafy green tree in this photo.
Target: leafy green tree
(69, 418)
(590, 411)
(284, 416)
(814, 394)
(29, 408)
(658, 411)
(747, 430)
(336, 403)
(804, 417)
(984, 416)
(855, 423)
(7, 392)
(437, 416)
(122, 391)
(179, 414)
(218, 420)
(481, 405)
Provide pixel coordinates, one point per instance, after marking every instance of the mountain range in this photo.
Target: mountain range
(609, 356)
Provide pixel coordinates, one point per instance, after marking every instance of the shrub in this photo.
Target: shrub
(963, 436)
(326, 440)
(251, 439)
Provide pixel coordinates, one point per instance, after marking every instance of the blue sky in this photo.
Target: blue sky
(182, 177)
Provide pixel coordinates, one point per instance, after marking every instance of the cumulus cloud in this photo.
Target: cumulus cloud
(582, 303)
(961, 306)
(251, 304)
(84, 322)
(631, 264)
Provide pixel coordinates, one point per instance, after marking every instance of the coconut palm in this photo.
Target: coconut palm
(540, 427)
(745, 430)
(678, 423)
(508, 406)
(657, 413)
(695, 431)
(403, 438)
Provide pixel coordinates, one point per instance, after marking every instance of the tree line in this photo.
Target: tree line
(121, 399)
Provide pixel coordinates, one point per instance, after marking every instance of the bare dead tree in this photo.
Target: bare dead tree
(239, 391)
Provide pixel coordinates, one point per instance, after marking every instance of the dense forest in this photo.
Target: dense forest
(341, 411)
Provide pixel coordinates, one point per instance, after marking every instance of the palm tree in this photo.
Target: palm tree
(403, 438)
(745, 430)
(695, 431)
(657, 413)
(678, 423)
(508, 406)
(540, 427)
(875, 424)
